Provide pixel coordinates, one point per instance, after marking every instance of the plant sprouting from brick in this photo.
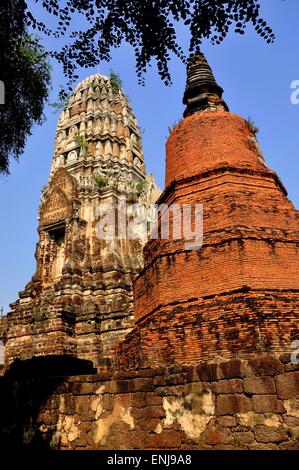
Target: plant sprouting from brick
(140, 186)
(81, 141)
(251, 125)
(100, 180)
(115, 81)
(61, 104)
(173, 125)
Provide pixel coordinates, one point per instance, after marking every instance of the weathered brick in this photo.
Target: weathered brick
(143, 384)
(82, 405)
(67, 403)
(217, 436)
(267, 365)
(287, 385)
(289, 445)
(137, 412)
(241, 428)
(155, 412)
(138, 399)
(227, 386)
(291, 420)
(243, 437)
(259, 385)
(135, 439)
(263, 446)
(120, 386)
(232, 404)
(208, 372)
(152, 399)
(83, 388)
(227, 421)
(148, 424)
(267, 404)
(264, 433)
(285, 358)
(231, 369)
(168, 439)
(291, 367)
(47, 417)
(169, 379)
(107, 402)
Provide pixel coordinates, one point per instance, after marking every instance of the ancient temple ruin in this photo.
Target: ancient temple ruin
(79, 301)
(209, 360)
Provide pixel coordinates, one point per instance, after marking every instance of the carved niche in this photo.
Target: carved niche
(58, 205)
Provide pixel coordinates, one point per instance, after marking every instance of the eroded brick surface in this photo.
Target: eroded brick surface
(88, 412)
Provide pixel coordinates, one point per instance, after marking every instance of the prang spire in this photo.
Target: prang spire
(202, 91)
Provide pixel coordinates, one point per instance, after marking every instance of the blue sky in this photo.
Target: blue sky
(256, 78)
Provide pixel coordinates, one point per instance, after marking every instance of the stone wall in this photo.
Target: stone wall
(235, 404)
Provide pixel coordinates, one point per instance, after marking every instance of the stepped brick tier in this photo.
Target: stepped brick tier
(238, 293)
(79, 301)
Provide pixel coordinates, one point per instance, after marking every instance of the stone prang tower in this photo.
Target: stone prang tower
(79, 302)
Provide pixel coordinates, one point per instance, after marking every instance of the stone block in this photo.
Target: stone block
(168, 439)
(214, 436)
(232, 404)
(138, 400)
(82, 404)
(291, 421)
(259, 385)
(267, 404)
(148, 424)
(285, 358)
(152, 399)
(208, 372)
(227, 421)
(231, 369)
(227, 386)
(264, 366)
(287, 385)
(143, 384)
(84, 388)
(264, 433)
(155, 412)
(243, 438)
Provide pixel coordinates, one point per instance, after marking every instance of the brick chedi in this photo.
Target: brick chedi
(79, 301)
(237, 295)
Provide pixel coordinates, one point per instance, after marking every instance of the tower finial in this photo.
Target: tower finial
(202, 91)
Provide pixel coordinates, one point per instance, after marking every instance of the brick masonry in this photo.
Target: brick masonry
(235, 404)
(238, 294)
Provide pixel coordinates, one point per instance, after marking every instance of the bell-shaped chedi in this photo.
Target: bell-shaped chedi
(79, 301)
(228, 285)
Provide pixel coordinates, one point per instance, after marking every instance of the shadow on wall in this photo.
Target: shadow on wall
(26, 391)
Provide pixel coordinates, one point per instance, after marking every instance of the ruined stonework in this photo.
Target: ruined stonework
(236, 404)
(79, 301)
(211, 360)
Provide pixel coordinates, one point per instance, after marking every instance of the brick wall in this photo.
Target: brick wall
(235, 404)
(240, 323)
